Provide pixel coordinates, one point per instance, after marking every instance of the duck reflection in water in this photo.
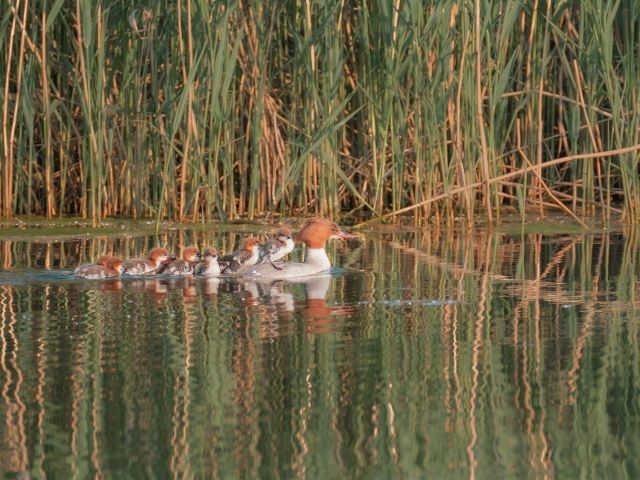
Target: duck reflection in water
(208, 287)
(111, 286)
(156, 288)
(273, 299)
(189, 291)
(320, 317)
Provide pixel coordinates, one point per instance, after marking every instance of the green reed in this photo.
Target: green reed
(237, 109)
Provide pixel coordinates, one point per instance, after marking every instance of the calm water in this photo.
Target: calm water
(452, 355)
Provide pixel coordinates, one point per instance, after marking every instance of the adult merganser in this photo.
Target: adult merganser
(147, 266)
(209, 267)
(277, 247)
(314, 234)
(242, 258)
(184, 266)
(112, 268)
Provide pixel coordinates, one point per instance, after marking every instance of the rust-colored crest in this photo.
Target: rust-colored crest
(157, 252)
(190, 254)
(250, 242)
(316, 231)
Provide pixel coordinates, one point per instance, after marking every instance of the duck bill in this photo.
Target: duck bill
(342, 235)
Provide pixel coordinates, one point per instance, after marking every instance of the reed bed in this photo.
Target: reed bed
(200, 109)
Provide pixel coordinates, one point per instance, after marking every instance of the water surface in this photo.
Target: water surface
(424, 354)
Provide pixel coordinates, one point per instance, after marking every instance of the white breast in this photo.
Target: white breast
(208, 269)
(318, 258)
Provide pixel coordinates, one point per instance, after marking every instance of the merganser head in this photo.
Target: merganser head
(316, 231)
(191, 254)
(159, 255)
(250, 244)
(210, 253)
(283, 234)
(116, 265)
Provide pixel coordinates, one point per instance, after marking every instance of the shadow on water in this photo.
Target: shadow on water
(466, 354)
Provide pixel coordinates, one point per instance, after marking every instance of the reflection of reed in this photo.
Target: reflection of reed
(539, 453)
(545, 452)
(298, 463)
(475, 360)
(528, 408)
(589, 314)
(78, 362)
(544, 455)
(529, 411)
(460, 294)
(7, 255)
(517, 313)
(533, 331)
(15, 439)
(457, 396)
(96, 401)
(557, 258)
(41, 382)
(447, 315)
(432, 260)
(49, 256)
(243, 395)
(68, 253)
(180, 420)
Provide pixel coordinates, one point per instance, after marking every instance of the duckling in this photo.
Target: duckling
(185, 265)
(209, 267)
(147, 266)
(112, 268)
(244, 257)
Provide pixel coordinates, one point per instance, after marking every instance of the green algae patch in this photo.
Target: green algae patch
(74, 227)
(35, 227)
(555, 224)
